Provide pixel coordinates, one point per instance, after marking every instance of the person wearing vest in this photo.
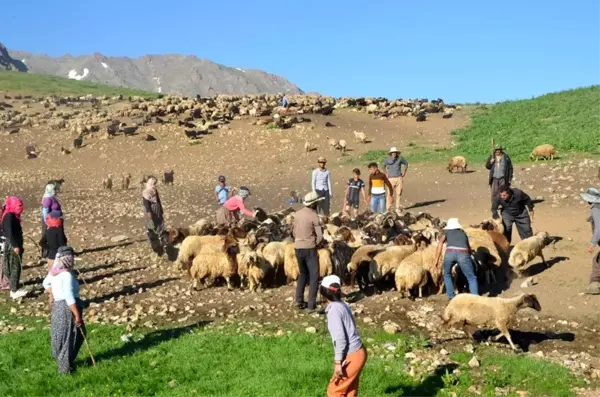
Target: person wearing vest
(458, 252)
(592, 197)
(501, 170)
(395, 173)
(321, 184)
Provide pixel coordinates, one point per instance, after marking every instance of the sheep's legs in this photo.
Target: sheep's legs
(420, 291)
(229, 286)
(504, 332)
(441, 289)
(543, 260)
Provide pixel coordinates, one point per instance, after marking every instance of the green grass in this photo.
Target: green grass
(569, 120)
(235, 361)
(37, 84)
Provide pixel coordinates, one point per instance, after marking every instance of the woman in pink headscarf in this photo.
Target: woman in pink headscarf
(13, 246)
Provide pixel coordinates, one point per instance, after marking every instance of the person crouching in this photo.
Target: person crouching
(350, 355)
(54, 238)
(66, 326)
(228, 213)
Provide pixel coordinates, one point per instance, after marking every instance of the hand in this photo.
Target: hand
(492, 160)
(338, 372)
(404, 175)
(78, 321)
(590, 249)
(17, 251)
(531, 216)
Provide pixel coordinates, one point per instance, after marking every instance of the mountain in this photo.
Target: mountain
(167, 74)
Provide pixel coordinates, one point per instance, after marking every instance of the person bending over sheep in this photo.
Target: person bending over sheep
(458, 251)
(592, 196)
(350, 355)
(517, 208)
(229, 212)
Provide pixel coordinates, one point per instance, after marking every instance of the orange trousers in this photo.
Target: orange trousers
(348, 386)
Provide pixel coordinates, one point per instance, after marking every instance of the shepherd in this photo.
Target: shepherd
(153, 212)
(592, 197)
(501, 170)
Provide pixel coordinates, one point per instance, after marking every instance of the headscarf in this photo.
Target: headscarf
(64, 260)
(54, 219)
(244, 192)
(13, 205)
(50, 190)
(149, 192)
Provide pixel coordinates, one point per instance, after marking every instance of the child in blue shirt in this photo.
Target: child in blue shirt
(222, 191)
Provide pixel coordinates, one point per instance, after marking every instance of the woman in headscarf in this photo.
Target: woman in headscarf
(153, 212)
(54, 237)
(4, 283)
(49, 204)
(13, 246)
(229, 212)
(66, 326)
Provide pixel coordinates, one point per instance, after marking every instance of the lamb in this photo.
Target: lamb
(107, 182)
(308, 147)
(212, 265)
(251, 267)
(484, 311)
(457, 162)
(341, 254)
(408, 276)
(545, 151)
(526, 250)
(360, 136)
(341, 146)
(421, 117)
(125, 181)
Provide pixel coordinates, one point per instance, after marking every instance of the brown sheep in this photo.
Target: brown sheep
(457, 162)
(545, 151)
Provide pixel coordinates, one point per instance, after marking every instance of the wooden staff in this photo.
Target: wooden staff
(88, 346)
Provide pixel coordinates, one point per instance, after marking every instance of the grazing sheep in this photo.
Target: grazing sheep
(425, 258)
(341, 146)
(325, 262)
(408, 276)
(107, 182)
(125, 181)
(360, 137)
(526, 250)
(387, 262)
(544, 151)
(169, 177)
(332, 143)
(484, 311)
(448, 113)
(457, 162)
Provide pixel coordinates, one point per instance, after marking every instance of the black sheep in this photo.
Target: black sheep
(169, 177)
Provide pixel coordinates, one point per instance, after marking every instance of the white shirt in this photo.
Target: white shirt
(64, 287)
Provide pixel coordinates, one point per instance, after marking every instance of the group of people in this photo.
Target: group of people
(375, 197)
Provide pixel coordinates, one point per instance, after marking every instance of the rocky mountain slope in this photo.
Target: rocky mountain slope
(168, 74)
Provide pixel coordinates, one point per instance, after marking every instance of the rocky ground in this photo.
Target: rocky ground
(125, 284)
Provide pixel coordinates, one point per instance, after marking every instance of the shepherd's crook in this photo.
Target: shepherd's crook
(88, 346)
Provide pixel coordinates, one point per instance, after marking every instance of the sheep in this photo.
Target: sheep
(425, 257)
(212, 265)
(107, 182)
(78, 142)
(125, 181)
(485, 253)
(64, 151)
(251, 267)
(341, 253)
(545, 151)
(360, 137)
(341, 146)
(421, 117)
(386, 262)
(332, 143)
(292, 269)
(484, 311)
(408, 276)
(525, 250)
(274, 254)
(192, 246)
(457, 162)
(169, 177)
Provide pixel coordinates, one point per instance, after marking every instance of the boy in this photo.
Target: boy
(222, 191)
(377, 183)
(294, 199)
(355, 187)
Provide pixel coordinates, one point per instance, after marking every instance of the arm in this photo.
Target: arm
(338, 336)
(245, 210)
(384, 167)
(528, 203)
(67, 286)
(362, 189)
(329, 183)
(403, 161)
(318, 230)
(314, 181)
(495, 205)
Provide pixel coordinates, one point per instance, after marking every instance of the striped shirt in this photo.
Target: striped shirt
(378, 182)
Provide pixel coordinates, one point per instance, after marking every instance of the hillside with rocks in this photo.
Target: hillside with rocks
(166, 74)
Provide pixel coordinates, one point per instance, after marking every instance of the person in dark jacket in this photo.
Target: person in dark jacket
(54, 238)
(153, 213)
(501, 170)
(13, 246)
(517, 208)
(592, 197)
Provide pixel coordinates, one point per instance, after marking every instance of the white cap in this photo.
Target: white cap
(453, 224)
(312, 198)
(328, 280)
(394, 150)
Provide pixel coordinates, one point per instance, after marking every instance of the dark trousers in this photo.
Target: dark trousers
(497, 183)
(595, 276)
(522, 221)
(308, 263)
(464, 261)
(323, 206)
(12, 266)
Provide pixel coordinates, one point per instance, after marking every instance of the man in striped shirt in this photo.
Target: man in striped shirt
(377, 183)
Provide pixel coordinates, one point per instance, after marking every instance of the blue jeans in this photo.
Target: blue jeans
(465, 263)
(378, 203)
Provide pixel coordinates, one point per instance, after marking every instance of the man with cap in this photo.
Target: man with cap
(501, 170)
(222, 191)
(308, 234)
(321, 184)
(395, 173)
(517, 208)
(458, 252)
(229, 212)
(592, 197)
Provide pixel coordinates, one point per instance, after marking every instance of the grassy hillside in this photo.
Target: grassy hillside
(37, 84)
(569, 120)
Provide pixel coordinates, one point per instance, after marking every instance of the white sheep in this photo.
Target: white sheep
(526, 250)
(387, 261)
(332, 143)
(545, 151)
(192, 246)
(360, 136)
(212, 265)
(408, 276)
(484, 311)
(341, 146)
(251, 267)
(308, 147)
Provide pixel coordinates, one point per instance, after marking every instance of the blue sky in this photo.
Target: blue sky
(462, 51)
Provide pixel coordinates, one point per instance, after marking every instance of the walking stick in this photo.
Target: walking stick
(88, 346)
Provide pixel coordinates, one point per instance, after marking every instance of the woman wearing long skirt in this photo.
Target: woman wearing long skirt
(153, 212)
(66, 325)
(13, 245)
(49, 204)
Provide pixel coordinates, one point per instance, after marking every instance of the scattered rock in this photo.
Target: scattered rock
(474, 363)
(311, 330)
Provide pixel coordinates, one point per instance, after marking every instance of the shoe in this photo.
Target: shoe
(300, 306)
(593, 289)
(18, 294)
